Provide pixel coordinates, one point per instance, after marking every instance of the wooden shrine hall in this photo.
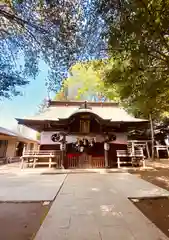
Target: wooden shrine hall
(80, 134)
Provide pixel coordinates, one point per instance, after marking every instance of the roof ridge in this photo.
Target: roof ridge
(79, 102)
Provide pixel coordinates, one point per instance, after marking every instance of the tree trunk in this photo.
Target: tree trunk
(152, 137)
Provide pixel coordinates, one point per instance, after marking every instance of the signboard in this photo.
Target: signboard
(50, 138)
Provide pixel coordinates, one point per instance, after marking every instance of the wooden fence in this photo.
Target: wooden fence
(85, 161)
(97, 162)
(42, 157)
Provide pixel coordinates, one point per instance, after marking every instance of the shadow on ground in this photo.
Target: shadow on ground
(21, 221)
(157, 210)
(158, 176)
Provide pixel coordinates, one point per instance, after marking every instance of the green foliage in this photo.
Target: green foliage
(139, 47)
(38, 136)
(60, 95)
(85, 83)
(58, 32)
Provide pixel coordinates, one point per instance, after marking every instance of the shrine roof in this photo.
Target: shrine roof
(65, 109)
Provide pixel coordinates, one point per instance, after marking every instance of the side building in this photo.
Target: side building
(12, 145)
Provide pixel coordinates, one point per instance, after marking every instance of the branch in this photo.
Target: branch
(21, 21)
(11, 52)
(29, 32)
(4, 31)
(163, 56)
(164, 41)
(160, 32)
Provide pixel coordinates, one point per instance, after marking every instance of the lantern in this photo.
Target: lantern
(62, 146)
(106, 146)
(81, 148)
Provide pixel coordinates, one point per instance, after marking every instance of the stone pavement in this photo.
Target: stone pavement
(23, 186)
(96, 207)
(133, 187)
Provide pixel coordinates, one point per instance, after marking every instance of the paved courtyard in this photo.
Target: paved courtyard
(96, 206)
(86, 206)
(29, 187)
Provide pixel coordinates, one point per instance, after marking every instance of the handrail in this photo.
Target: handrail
(41, 152)
(133, 155)
(136, 141)
(126, 153)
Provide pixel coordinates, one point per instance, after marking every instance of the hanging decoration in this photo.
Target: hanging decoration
(81, 144)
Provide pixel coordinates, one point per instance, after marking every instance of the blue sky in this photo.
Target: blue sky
(26, 105)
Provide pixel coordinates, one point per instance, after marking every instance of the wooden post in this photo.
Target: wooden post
(62, 159)
(132, 147)
(22, 162)
(144, 162)
(148, 153)
(24, 149)
(143, 159)
(157, 151)
(106, 158)
(50, 162)
(152, 137)
(34, 162)
(118, 162)
(106, 149)
(63, 150)
(168, 151)
(22, 158)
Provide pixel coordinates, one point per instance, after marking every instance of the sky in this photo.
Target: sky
(26, 105)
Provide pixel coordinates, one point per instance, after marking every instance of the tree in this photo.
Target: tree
(42, 107)
(59, 32)
(85, 83)
(137, 33)
(38, 136)
(10, 79)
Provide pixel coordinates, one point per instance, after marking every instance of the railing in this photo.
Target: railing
(42, 157)
(128, 153)
(3, 160)
(98, 162)
(134, 144)
(73, 161)
(85, 161)
(58, 161)
(40, 153)
(134, 158)
(163, 148)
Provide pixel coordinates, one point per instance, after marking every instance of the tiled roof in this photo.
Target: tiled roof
(20, 137)
(5, 131)
(110, 112)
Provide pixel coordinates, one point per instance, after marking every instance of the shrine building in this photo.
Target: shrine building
(81, 134)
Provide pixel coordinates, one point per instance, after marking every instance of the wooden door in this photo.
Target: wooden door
(84, 161)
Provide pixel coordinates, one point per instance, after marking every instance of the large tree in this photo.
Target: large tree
(85, 83)
(60, 32)
(138, 36)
